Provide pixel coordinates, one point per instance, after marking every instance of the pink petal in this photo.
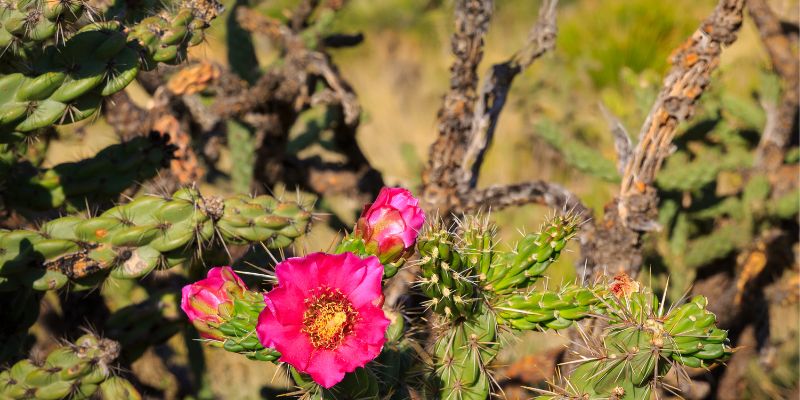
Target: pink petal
(358, 353)
(342, 271)
(384, 196)
(370, 287)
(294, 346)
(186, 294)
(228, 274)
(372, 325)
(325, 367)
(291, 304)
(299, 271)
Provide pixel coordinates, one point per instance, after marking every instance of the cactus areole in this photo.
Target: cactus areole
(325, 315)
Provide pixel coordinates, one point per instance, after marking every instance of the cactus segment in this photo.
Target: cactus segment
(76, 370)
(531, 257)
(46, 82)
(447, 278)
(130, 240)
(462, 355)
(642, 342)
(541, 310)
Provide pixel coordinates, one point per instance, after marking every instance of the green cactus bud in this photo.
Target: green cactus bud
(531, 257)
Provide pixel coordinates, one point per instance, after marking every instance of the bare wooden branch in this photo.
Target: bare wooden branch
(302, 13)
(467, 121)
(613, 245)
(782, 117)
(273, 104)
(497, 197)
(496, 85)
(692, 64)
(440, 179)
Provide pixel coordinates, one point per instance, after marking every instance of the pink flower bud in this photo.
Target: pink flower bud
(390, 225)
(209, 302)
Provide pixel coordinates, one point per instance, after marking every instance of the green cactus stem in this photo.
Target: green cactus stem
(543, 309)
(130, 240)
(65, 82)
(27, 25)
(461, 356)
(531, 256)
(75, 371)
(446, 276)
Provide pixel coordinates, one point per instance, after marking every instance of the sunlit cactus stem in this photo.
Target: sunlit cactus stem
(131, 240)
(47, 82)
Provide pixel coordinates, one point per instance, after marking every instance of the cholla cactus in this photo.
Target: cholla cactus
(322, 318)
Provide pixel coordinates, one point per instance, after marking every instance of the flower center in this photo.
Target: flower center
(329, 318)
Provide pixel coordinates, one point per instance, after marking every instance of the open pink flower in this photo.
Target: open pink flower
(325, 315)
(390, 225)
(207, 301)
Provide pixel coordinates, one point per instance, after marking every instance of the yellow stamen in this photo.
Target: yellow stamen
(329, 318)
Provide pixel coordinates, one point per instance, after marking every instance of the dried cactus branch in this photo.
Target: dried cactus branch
(497, 197)
(622, 140)
(467, 120)
(783, 119)
(615, 244)
(496, 85)
(692, 65)
(441, 177)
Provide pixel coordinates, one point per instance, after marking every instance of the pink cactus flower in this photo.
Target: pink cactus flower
(207, 302)
(390, 225)
(325, 315)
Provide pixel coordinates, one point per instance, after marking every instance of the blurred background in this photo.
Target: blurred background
(610, 53)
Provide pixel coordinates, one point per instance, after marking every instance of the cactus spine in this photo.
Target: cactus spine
(130, 240)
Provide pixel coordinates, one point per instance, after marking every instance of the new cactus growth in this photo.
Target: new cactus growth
(130, 240)
(76, 370)
(542, 310)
